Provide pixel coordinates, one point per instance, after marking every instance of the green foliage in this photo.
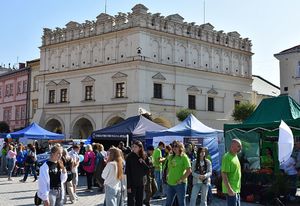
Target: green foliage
(242, 111)
(4, 127)
(183, 114)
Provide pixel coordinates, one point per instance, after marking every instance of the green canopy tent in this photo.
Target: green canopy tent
(261, 129)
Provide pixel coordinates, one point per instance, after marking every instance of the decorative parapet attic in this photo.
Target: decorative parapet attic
(139, 17)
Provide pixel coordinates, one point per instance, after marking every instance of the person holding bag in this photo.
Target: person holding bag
(68, 163)
(113, 175)
(201, 172)
(136, 169)
(89, 166)
(53, 174)
(30, 163)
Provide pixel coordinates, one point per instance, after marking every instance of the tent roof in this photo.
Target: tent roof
(191, 126)
(270, 112)
(133, 126)
(34, 131)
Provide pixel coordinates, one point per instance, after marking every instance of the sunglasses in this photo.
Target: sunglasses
(176, 145)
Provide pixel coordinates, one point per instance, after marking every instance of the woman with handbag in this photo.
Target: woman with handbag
(30, 163)
(53, 174)
(136, 169)
(89, 166)
(68, 163)
(201, 172)
(112, 175)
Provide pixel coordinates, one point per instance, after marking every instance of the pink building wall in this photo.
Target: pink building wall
(14, 98)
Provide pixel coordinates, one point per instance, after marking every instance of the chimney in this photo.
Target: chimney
(21, 65)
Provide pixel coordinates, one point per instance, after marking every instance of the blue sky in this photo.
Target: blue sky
(272, 25)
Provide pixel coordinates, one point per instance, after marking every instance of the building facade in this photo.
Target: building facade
(14, 98)
(289, 64)
(262, 89)
(98, 73)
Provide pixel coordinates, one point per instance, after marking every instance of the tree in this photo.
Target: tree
(242, 111)
(183, 114)
(4, 127)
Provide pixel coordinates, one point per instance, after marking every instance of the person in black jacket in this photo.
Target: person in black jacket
(136, 169)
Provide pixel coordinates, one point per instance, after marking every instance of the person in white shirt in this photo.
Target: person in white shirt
(11, 160)
(289, 168)
(75, 157)
(112, 175)
(52, 177)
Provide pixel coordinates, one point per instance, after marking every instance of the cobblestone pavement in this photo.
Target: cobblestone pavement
(15, 193)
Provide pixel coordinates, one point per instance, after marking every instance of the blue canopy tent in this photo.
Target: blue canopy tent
(191, 130)
(34, 131)
(127, 130)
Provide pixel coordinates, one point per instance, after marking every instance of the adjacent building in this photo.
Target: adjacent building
(97, 73)
(14, 97)
(289, 63)
(262, 88)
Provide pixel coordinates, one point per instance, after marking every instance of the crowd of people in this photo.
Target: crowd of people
(133, 174)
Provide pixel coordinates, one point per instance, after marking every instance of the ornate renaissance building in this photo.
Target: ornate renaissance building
(100, 72)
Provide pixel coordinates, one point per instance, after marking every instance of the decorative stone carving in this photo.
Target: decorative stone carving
(63, 83)
(88, 79)
(159, 76)
(238, 95)
(212, 91)
(139, 9)
(175, 18)
(51, 83)
(193, 89)
(119, 75)
(72, 25)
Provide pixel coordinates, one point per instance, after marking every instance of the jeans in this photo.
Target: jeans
(10, 165)
(178, 190)
(27, 169)
(112, 196)
(55, 197)
(233, 200)
(195, 192)
(158, 179)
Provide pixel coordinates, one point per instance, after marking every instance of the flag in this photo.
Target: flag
(285, 142)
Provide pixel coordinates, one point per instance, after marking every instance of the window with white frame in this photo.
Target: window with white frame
(19, 90)
(7, 114)
(210, 104)
(11, 89)
(192, 101)
(88, 93)
(7, 90)
(88, 88)
(34, 106)
(23, 112)
(51, 96)
(63, 95)
(25, 86)
(120, 90)
(17, 115)
(157, 90)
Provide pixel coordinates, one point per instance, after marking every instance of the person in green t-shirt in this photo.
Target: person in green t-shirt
(179, 168)
(157, 164)
(231, 173)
